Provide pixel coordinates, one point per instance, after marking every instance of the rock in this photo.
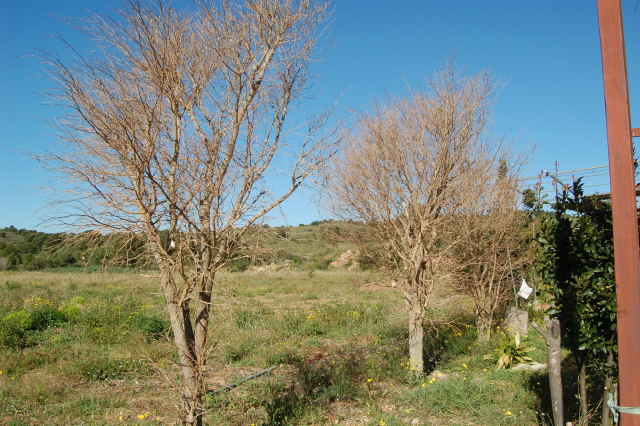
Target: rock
(415, 421)
(516, 321)
(534, 366)
(346, 258)
(436, 374)
(270, 267)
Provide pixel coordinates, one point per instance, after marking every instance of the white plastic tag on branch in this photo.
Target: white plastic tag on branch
(525, 291)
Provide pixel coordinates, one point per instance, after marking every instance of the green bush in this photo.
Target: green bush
(153, 327)
(239, 265)
(70, 312)
(14, 327)
(283, 255)
(45, 316)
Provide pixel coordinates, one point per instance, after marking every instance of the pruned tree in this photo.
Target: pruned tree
(407, 171)
(492, 247)
(173, 125)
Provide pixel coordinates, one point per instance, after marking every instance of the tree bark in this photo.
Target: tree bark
(416, 336)
(582, 387)
(608, 382)
(193, 388)
(483, 325)
(553, 339)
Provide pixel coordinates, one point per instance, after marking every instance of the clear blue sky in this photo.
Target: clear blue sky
(544, 52)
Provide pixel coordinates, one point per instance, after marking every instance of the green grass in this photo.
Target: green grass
(341, 350)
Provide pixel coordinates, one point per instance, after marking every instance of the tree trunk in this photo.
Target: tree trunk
(188, 354)
(416, 335)
(608, 382)
(582, 387)
(552, 338)
(483, 325)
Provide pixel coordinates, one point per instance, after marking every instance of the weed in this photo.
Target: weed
(153, 327)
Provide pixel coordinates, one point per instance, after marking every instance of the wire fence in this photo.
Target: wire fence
(548, 183)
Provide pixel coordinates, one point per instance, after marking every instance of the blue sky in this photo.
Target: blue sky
(544, 53)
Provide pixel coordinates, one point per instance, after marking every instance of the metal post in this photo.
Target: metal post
(623, 204)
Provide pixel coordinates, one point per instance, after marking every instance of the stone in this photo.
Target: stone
(534, 366)
(436, 374)
(516, 321)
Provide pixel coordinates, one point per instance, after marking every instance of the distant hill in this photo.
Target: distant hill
(312, 246)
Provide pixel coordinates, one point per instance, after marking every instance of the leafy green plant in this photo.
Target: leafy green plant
(512, 353)
(46, 316)
(153, 326)
(99, 367)
(14, 327)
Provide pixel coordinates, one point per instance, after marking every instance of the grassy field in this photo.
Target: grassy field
(84, 348)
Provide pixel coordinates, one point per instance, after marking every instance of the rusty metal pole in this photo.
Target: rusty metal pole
(623, 204)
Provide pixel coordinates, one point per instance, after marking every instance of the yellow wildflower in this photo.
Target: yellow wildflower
(369, 380)
(423, 385)
(509, 413)
(464, 365)
(382, 423)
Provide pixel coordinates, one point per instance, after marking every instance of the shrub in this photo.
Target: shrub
(153, 327)
(282, 255)
(46, 316)
(513, 352)
(239, 264)
(14, 327)
(70, 312)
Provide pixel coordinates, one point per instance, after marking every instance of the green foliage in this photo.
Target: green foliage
(14, 327)
(529, 198)
(513, 352)
(575, 259)
(70, 312)
(153, 326)
(239, 264)
(99, 367)
(33, 250)
(17, 327)
(47, 316)
(332, 334)
(103, 324)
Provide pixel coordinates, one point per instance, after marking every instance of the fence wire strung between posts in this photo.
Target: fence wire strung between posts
(549, 183)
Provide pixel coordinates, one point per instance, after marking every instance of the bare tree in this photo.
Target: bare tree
(407, 171)
(173, 124)
(491, 249)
